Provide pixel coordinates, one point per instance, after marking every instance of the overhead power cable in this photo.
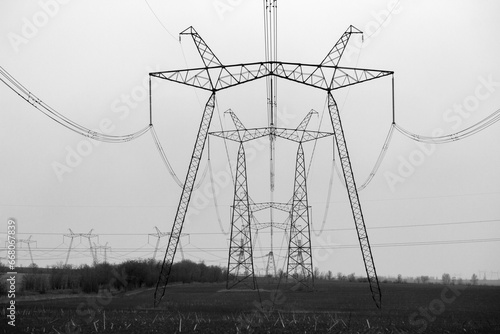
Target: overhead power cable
(377, 164)
(169, 166)
(380, 158)
(214, 195)
(208, 250)
(158, 19)
(331, 229)
(29, 97)
(471, 130)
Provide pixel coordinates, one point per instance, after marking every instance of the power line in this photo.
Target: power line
(207, 250)
(158, 19)
(174, 206)
(471, 130)
(332, 229)
(50, 112)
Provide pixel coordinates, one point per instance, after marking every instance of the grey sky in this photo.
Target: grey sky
(89, 60)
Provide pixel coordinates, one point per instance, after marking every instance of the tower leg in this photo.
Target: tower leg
(300, 265)
(69, 251)
(184, 200)
(354, 199)
(240, 262)
(271, 265)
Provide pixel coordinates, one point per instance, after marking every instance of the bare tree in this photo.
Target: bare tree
(474, 279)
(317, 273)
(446, 278)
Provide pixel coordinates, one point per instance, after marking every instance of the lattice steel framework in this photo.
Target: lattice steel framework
(187, 189)
(240, 246)
(89, 236)
(300, 262)
(357, 213)
(297, 235)
(215, 76)
(299, 265)
(29, 242)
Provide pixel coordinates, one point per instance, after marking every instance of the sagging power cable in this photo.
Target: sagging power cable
(169, 166)
(471, 130)
(32, 99)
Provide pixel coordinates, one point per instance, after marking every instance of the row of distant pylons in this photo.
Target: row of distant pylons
(96, 248)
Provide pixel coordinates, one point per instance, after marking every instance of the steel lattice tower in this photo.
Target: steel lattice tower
(299, 247)
(89, 236)
(240, 246)
(104, 247)
(215, 76)
(241, 135)
(28, 241)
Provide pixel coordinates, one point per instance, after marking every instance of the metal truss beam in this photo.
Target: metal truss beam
(208, 57)
(286, 207)
(237, 123)
(303, 124)
(282, 226)
(187, 189)
(299, 266)
(242, 134)
(354, 200)
(325, 77)
(240, 261)
(333, 57)
(256, 133)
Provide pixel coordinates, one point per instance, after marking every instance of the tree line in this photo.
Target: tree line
(134, 274)
(128, 275)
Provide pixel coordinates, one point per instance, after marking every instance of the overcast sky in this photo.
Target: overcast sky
(429, 210)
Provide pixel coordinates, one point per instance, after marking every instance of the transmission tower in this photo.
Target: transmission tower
(89, 236)
(240, 246)
(299, 210)
(158, 235)
(104, 247)
(214, 76)
(271, 270)
(28, 241)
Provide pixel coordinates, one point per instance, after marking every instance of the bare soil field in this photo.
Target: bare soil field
(334, 307)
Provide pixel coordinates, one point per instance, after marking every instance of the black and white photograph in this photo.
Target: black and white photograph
(249, 166)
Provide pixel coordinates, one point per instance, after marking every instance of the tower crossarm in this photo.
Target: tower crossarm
(243, 135)
(325, 77)
(158, 233)
(207, 55)
(237, 123)
(301, 136)
(286, 207)
(303, 124)
(281, 226)
(289, 134)
(334, 55)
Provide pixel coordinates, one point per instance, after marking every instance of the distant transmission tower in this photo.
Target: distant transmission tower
(28, 241)
(213, 77)
(104, 248)
(160, 235)
(89, 236)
